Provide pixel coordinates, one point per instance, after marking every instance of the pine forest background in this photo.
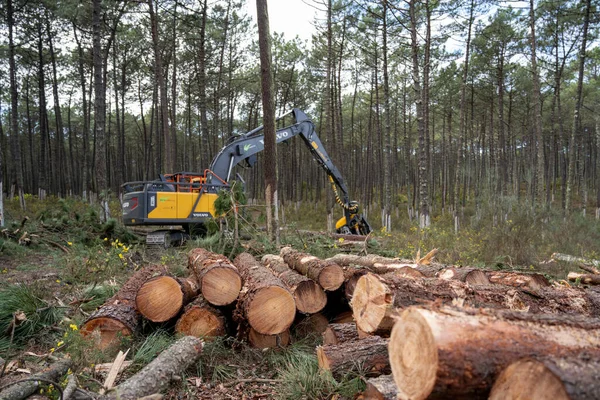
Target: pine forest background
(426, 107)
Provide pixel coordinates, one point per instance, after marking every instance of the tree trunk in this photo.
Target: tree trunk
(118, 315)
(265, 302)
(99, 102)
(550, 377)
(339, 333)
(218, 279)
(202, 320)
(368, 356)
(473, 276)
(452, 353)
(161, 298)
(270, 149)
(328, 274)
(309, 296)
(156, 376)
(538, 156)
(376, 298)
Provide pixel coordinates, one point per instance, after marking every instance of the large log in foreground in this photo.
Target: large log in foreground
(157, 375)
(161, 298)
(265, 302)
(118, 316)
(455, 353)
(574, 377)
(368, 356)
(327, 273)
(309, 296)
(376, 299)
(218, 279)
(200, 319)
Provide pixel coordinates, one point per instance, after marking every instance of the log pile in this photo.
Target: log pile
(415, 329)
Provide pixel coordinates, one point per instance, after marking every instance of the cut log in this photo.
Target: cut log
(528, 282)
(340, 333)
(265, 302)
(260, 341)
(200, 319)
(380, 388)
(328, 274)
(218, 279)
(351, 276)
(377, 298)
(156, 376)
(558, 378)
(24, 389)
(373, 262)
(161, 298)
(314, 324)
(586, 279)
(472, 276)
(368, 356)
(454, 353)
(308, 294)
(587, 264)
(118, 316)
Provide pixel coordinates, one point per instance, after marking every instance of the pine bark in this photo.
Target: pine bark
(458, 353)
(368, 356)
(568, 377)
(327, 273)
(473, 276)
(340, 333)
(265, 302)
(380, 388)
(118, 315)
(218, 279)
(308, 295)
(376, 299)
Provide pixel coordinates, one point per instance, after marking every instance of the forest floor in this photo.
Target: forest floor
(61, 263)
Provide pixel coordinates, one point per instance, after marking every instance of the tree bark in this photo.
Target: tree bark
(260, 341)
(368, 356)
(586, 279)
(380, 388)
(308, 295)
(25, 389)
(156, 376)
(218, 279)
(202, 320)
(337, 333)
(265, 302)
(455, 353)
(473, 276)
(101, 178)
(328, 274)
(376, 299)
(161, 298)
(118, 315)
(550, 377)
(527, 282)
(270, 149)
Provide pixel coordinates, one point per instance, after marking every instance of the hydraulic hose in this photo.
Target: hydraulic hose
(352, 209)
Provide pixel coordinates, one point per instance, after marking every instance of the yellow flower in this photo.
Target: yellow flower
(70, 243)
(121, 256)
(73, 326)
(58, 281)
(52, 350)
(60, 343)
(105, 239)
(341, 240)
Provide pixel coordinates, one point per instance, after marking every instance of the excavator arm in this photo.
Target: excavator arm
(245, 147)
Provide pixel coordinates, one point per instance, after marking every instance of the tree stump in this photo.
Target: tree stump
(265, 303)
(218, 279)
(308, 295)
(327, 273)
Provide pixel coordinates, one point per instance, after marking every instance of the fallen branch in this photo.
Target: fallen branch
(586, 264)
(24, 388)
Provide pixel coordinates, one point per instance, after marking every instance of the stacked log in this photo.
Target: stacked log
(218, 279)
(118, 316)
(265, 302)
(338, 333)
(368, 356)
(568, 377)
(455, 353)
(473, 276)
(530, 282)
(200, 319)
(327, 273)
(260, 341)
(308, 295)
(376, 299)
(161, 298)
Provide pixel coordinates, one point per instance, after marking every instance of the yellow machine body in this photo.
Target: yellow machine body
(178, 205)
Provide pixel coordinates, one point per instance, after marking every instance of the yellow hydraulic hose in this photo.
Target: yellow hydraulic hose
(351, 209)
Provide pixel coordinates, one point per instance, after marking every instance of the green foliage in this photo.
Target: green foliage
(98, 295)
(152, 346)
(97, 262)
(83, 350)
(23, 312)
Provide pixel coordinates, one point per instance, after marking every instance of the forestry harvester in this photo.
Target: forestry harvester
(187, 199)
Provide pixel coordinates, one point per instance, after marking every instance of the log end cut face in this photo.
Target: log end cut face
(530, 377)
(331, 277)
(310, 297)
(260, 341)
(105, 331)
(371, 303)
(271, 310)
(221, 285)
(413, 356)
(159, 299)
(200, 322)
